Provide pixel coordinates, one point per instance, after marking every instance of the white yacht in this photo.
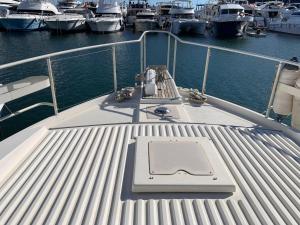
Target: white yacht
(133, 8)
(163, 9)
(146, 20)
(228, 20)
(29, 16)
(108, 18)
(288, 24)
(66, 22)
(153, 153)
(183, 19)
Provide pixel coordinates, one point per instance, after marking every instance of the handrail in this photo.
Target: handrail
(142, 41)
(279, 60)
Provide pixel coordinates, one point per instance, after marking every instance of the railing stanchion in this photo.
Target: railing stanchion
(114, 68)
(205, 71)
(141, 56)
(52, 86)
(145, 52)
(168, 56)
(274, 89)
(174, 58)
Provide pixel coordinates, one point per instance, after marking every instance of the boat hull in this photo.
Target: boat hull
(228, 28)
(130, 20)
(22, 24)
(105, 26)
(287, 28)
(66, 26)
(144, 25)
(193, 27)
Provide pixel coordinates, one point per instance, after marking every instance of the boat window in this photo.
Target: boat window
(144, 16)
(296, 14)
(231, 11)
(109, 15)
(36, 12)
(184, 16)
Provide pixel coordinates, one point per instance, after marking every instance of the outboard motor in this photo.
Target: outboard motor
(283, 102)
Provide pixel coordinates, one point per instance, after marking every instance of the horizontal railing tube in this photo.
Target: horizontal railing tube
(138, 41)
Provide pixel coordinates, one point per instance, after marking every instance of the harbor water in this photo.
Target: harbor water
(78, 77)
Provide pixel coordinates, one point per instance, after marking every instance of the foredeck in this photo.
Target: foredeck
(84, 175)
(77, 167)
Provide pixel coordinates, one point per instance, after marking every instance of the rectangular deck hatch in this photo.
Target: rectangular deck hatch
(170, 157)
(179, 164)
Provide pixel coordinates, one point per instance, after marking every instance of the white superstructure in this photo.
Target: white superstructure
(8, 4)
(67, 4)
(271, 9)
(135, 6)
(174, 156)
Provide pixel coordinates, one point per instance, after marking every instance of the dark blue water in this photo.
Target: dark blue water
(78, 77)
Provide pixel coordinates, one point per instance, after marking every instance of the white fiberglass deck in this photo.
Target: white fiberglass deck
(84, 176)
(77, 167)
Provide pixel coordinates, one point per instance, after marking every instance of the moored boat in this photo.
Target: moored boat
(183, 19)
(146, 20)
(66, 22)
(29, 16)
(133, 8)
(228, 20)
(163, 9)
(108, 18)
(289, 24)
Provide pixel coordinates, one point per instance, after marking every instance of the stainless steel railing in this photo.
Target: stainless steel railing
(143, 62)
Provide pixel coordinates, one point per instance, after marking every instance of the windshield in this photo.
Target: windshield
(231, 11)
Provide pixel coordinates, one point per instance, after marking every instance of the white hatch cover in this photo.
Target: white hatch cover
(170, 157)
(179, 164)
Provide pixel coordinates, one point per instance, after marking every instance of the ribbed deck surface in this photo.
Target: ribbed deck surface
(83, 176)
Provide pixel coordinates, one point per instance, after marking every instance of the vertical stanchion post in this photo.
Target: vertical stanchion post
(205, 71)
(53, 94)
(274, 89)
(141, 56)
(174, 58)
(145, 52)
(168, 53)
(114, 68)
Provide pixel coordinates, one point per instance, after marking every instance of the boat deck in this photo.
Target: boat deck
(83, 175)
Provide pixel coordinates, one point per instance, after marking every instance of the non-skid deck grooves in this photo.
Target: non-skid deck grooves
(83, 176)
